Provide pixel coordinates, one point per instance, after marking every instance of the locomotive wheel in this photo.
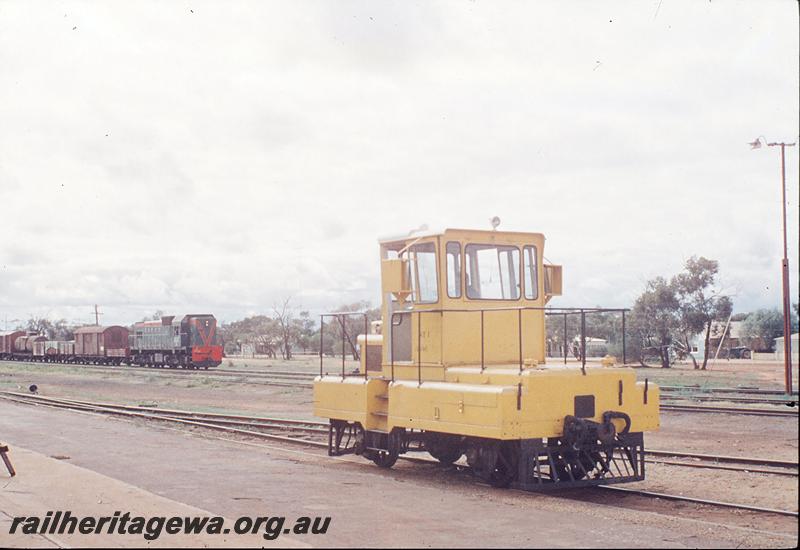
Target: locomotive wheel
(495, 462)
(384, 459)
(443, 448)
(387, 458)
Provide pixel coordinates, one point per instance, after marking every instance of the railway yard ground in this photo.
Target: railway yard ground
(104, 463)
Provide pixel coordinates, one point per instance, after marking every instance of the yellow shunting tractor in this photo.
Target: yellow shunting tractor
(457, 366)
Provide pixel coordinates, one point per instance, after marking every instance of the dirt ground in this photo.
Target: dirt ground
(727, 373)
(719, 373)
(436, 507)
(195, 391)
(708, 433)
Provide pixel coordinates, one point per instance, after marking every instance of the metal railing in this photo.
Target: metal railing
(548, 311)
(341, 317)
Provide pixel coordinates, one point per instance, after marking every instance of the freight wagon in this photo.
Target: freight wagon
(7, 340)
(23, 346)
(106, 345)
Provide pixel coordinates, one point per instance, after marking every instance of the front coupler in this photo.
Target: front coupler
(589, 453)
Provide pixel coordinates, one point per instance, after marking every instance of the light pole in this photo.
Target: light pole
(787, 319)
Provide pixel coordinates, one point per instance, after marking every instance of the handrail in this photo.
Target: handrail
(565, 311)
(340, 317)
(551, 310)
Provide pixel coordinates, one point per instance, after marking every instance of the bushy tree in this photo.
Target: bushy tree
(305, 329)
(761, 327)
(53, 330)
(605, 325)
(285, 331)
(699, 302)
(259, 330)
(328, 347)
(669, 313)
(346, 329)
(654, 319)
(154, 317)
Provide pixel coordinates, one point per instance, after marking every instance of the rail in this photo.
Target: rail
(341, 317)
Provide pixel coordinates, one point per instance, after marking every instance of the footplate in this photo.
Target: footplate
(345, 438)
(554, 464)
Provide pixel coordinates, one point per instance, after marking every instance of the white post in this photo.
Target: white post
(724, 334)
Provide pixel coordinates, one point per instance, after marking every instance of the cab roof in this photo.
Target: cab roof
(419, 234)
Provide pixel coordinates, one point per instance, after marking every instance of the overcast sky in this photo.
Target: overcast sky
(217, 156)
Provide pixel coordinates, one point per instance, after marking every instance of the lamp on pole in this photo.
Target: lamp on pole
(787, 323)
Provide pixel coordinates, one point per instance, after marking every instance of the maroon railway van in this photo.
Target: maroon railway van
(108, 345)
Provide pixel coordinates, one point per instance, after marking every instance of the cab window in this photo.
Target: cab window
(530, 271)
(492, 272)
(423, 270)
(454, 269)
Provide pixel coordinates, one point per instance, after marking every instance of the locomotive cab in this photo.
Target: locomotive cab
(202, 340)
(464, 370)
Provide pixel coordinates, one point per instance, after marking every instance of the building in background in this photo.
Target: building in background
(795, 349)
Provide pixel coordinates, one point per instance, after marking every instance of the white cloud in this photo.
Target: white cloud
(217, 160)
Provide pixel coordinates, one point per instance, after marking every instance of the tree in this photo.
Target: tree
(761, 328)
(259, 330)
(670, 313)
(155, 316)
(62, 331)
(53, 330)
(699, 303)
(284, 316)
(328, 344)
(605, 325)
(305, 329)
(347, 328)
(654, 319)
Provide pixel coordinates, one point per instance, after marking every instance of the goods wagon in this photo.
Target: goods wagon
(23, 345)
(98, 344)
(7, 340)
(53, 351)
(66, 348)
(46, 349)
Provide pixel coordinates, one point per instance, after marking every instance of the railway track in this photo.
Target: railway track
(746, 390)
(307, 432)
(791, 402)
(281, 378)
(721, 462)
(691, 391)
(291, 379)
(792, 413)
